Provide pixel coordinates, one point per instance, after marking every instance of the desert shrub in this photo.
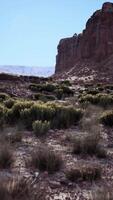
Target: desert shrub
(93, 91)
(59, 116)
(6, 157)
(66, 116)
(13, 114)
(100, 89)
(103, 100)
(59, 93)
(110, 87)
(66, 82)
(41, 128)
(67, 91)
(42, 87)
(21, 189)
(107, 118)
(9, 103)
(13, 137)
(89, 144)
(88, 98)
(46, 159)
(44, 97)
(102, 193)
(35, 87)
(2, 115)
(84, 172)
(15, 189)
(37, 112)
(3, 96)
(2, 111)
(49, 87)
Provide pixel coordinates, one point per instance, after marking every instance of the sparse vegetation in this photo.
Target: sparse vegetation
(44, 97)
(19, 189)
(89, 144)
(41, 128)
(13, 138)
(6, 157)
(84, 172)
(55, 160)
(46, 159)
(107, 118)
(9, 103)
(103, 100)
(102, 193)
(3, 96)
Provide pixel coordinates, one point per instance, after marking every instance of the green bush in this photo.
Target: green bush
(46, 160)
(66, 116)
(44, 97)
(103, 100)
(66, 91)
(107, 118)
(84, 172)
(42, 87)
(41, 128)
(13, 114)
(59, 116)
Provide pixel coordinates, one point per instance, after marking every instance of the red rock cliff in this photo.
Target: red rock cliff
(95, 43)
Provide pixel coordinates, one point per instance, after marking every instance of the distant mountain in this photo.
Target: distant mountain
(27, 71)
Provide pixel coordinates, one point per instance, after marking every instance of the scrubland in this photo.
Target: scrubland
(56, 140)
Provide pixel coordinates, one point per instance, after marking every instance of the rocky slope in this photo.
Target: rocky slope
(91, 51)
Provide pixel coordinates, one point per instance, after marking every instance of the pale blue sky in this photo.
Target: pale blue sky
(31, 29)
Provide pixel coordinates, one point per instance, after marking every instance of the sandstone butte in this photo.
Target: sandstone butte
(91, 52)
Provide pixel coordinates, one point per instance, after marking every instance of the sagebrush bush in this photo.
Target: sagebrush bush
(13, 114)
(44, 97)
(89, 144)
(42, 87)
(6, 157)
(66, 90)
(59, 116)
(66, 116)
(103, 100)
(41, 128)
(102, 193)
(66, 82)
(19, 189)
(9, 103)
(107, 118)
(84, 172)
(46, 159)
(13, 138)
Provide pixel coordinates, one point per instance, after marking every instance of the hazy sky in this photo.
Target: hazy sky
(31, 29)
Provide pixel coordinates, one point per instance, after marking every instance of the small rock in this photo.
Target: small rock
(54, 184)
(36, 174)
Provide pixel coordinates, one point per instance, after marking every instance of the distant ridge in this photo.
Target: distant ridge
(27, 71)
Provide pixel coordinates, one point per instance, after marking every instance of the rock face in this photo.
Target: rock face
(95, 43)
